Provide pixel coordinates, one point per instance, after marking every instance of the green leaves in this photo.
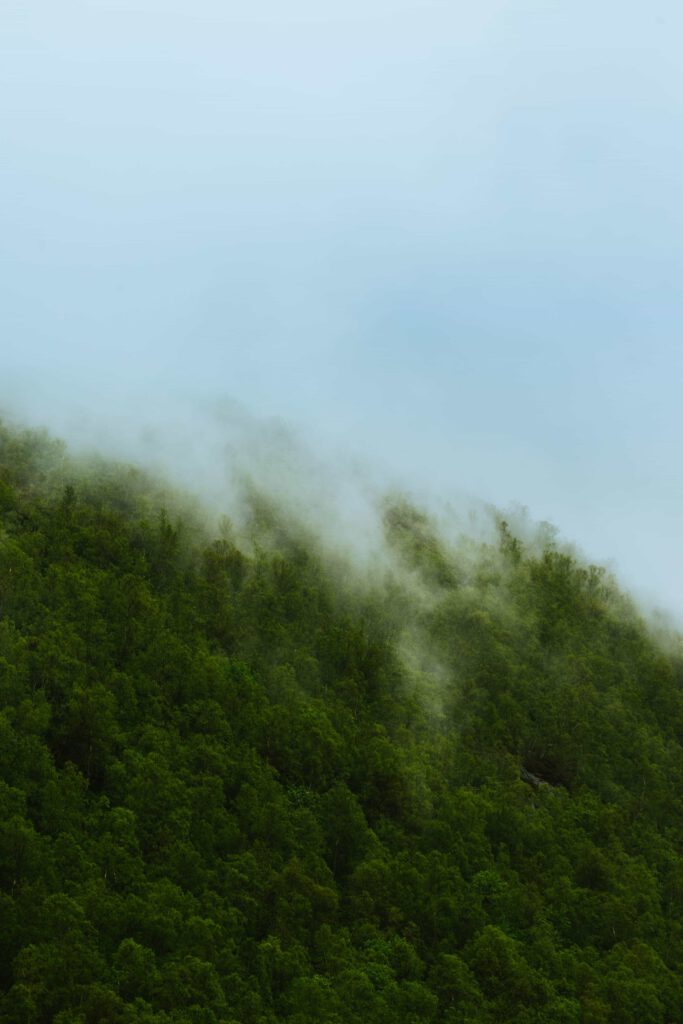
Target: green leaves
(239, 783)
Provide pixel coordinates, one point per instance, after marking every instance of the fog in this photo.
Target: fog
(354, 248)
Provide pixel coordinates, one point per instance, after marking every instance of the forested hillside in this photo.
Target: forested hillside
(242, 782)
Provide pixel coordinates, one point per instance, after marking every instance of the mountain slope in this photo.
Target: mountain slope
(241, 782)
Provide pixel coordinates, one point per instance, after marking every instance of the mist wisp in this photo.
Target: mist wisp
(440, 578)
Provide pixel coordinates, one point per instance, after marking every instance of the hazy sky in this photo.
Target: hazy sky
(444, 235)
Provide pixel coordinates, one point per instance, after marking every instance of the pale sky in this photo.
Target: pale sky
(443, 236)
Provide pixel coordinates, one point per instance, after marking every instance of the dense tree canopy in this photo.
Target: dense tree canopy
(241, 782)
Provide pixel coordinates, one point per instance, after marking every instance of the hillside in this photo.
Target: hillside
(240, 781)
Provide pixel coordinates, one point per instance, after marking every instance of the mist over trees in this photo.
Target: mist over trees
(243, 782)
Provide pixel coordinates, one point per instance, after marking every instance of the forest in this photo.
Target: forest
(244, 781)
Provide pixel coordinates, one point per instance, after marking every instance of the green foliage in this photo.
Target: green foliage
(239, 785)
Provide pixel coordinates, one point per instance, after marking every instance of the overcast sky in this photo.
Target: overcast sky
(443, 235)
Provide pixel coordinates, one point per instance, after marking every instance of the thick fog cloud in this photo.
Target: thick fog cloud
(444, 237)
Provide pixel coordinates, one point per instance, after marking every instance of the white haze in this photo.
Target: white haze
(437, 244)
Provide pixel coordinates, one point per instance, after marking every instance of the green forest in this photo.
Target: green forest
(244, 781)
